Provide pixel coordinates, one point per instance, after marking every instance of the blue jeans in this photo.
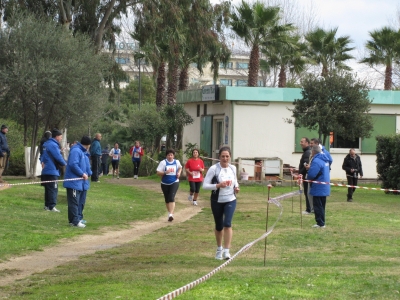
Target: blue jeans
(73, 197)
(319, 209)
(220, 210)
(50, 191)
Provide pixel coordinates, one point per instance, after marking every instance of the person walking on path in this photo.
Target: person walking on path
(52, 160)
(194, 169)
(4, 151)
(78, 167)
(353, 167)
(169, 170)
(136, 153)
(95, 155)
(319, 171)
(221, 179)
(115, 154)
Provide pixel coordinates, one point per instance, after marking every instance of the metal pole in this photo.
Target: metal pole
(140, 85)
(300, 181)
(266, 224)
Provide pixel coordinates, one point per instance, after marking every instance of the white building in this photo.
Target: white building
(251, 121)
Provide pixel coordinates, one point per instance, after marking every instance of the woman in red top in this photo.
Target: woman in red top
(194, 169)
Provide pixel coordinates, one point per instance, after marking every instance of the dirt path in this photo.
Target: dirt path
(71, 249)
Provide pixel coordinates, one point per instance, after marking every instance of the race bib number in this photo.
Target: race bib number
(196, 174)
(136, 154)
(171, 170)
(115, 157)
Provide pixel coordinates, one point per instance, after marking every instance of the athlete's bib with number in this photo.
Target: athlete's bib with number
(196, 174)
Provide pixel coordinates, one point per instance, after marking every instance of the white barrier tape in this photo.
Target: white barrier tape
(352, 186)
(37, 182)
(244, 164)
(191, 285)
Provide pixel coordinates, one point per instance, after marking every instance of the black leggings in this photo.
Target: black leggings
(194, 187)
(169, 191)
(136, 165)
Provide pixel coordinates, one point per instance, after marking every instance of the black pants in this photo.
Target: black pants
(95, 168)
(319, 203)
(351, 180)
(305, 188)
(169, 191)
(136, 165)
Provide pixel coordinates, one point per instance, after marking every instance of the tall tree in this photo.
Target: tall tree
(256, 24)
(383, 49)
(50, 79)
(336, 103)
(327, 50)
(286, 54)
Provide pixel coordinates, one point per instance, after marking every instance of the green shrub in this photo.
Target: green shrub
(15, 140)
(147, 166)
(388, 161)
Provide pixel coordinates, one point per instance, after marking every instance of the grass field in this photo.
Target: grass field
(355, 257)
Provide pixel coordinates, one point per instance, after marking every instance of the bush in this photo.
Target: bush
(147, 166)
(388, 161)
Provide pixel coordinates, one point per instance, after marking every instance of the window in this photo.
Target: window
(205, 109)
(122, 60)
(336, 141)
(260, 83)
(241, 82)
(242, 65)
(225, 82)
(193, 65)
(198, 110)
(229, 65)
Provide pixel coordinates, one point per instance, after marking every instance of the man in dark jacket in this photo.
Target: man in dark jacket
(4, 150)
(305, 145)
(352, 166)
(95, 155)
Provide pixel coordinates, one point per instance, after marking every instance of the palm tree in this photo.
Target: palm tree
(286, 53)
(256, 24)
(327, 50)
(383, 49)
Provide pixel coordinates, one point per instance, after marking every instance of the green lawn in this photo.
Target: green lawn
(355, 257)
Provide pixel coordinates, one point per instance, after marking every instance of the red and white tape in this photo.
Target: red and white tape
(37, 182)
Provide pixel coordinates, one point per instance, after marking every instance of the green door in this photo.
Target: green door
(206, 137)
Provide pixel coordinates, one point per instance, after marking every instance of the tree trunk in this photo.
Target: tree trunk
(254, 66)
(160, 85)
(324, 72)
(184, 79)
(388, 77)
(173, 79)
(282, 77)
(99, 33)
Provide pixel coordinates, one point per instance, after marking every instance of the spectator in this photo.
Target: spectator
(319, 171)
(52, 161)
(304, 160)
(95, 154)
(353, 167)
(77, 167)
(105, 154)
(4, 151)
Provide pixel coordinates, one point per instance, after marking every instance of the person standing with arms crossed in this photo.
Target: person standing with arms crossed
(169, 170)
(221, 179)
(353, 167)
(194, 168)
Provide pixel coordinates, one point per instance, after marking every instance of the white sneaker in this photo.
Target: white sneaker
(317, 226)
(306, 213)
(190, 197)
(54, 210)
(80, 225)
(46, 208)
(195, 203)
(226, 255)
(135, 177)
(218, 254)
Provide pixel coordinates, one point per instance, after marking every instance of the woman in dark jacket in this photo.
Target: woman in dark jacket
(353, 167)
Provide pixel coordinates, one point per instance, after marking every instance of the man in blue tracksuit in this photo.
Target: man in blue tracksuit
(319, 171)
(77, 167)
(51, 160)
(95, 154)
